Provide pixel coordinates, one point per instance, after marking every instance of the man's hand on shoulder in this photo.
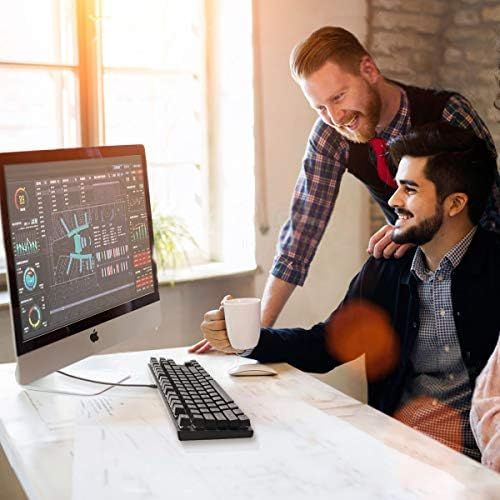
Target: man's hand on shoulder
(381, 244)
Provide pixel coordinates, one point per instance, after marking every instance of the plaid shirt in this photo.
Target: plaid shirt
(437, 396)
(317, 187)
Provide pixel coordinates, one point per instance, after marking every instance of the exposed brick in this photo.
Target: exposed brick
(465, 34)
(490, 14)
(452, 55)
(450, 44)
(480, 54)
(420, 6)
(420, 23)
(493, 115)
(467, 17)
(386, 42)
(395, 66)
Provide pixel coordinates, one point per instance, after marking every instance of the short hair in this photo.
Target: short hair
(330, 43)
(458, 161)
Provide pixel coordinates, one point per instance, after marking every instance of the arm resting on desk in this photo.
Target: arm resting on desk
(304, 349)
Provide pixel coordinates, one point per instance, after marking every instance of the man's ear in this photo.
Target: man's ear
(456, 203)
(368, 69)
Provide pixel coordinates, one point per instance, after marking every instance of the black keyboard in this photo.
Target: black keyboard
(198, 405)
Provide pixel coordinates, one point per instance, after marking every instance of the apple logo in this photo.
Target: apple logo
(94, 337)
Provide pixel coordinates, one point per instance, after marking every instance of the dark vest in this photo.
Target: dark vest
(426, 106)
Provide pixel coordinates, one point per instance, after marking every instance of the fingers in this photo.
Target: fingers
(379, 247)
(376, 237)
(215, 315)
(390, 250)
(214, 331)
(200, 347)
(402, 249)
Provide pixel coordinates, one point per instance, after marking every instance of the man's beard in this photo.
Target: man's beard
(370, 119)
(423, 232)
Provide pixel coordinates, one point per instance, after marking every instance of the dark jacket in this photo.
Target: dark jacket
(390, 284)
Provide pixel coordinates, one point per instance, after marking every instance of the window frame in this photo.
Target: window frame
(89, 71)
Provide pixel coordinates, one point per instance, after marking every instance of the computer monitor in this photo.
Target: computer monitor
(79, 250)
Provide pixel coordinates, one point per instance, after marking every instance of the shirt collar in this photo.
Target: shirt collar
(449, 261)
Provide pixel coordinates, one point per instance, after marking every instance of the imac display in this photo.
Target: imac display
(79, 249)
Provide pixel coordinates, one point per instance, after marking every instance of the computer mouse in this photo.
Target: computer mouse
(251, 369)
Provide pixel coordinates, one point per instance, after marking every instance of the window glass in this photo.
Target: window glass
(38, 109)
(38, 31)
(154, 95)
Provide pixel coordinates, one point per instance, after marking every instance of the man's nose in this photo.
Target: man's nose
(394, 201)
(336, 115)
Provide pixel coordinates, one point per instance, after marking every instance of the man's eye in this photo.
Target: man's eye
(338, 97)
(410, 190)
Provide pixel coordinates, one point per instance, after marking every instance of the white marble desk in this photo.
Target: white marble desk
(318, 443)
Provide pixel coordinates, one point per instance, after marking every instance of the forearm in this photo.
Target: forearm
(303, 349)
(275, 296)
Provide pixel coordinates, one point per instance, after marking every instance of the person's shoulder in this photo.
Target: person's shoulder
(422, 91)
(392, 267)
(484, 251)
(492, 240)
(488, 239)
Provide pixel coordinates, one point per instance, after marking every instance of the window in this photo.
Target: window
(84, 72)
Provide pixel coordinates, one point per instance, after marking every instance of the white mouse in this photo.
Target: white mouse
(251, 369)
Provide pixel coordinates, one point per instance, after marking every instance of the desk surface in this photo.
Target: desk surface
(311, 441)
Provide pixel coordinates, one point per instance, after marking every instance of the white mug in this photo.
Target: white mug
(242, 322)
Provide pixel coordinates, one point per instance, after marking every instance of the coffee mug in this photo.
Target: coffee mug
(242, 322)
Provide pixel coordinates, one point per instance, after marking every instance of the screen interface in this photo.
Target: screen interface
(80, 239)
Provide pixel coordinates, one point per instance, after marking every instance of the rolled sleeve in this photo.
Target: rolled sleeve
(312, 203)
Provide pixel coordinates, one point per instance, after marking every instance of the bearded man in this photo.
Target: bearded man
(359, 111)
(439, 301)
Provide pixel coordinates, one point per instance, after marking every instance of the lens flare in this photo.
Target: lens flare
(361, 327)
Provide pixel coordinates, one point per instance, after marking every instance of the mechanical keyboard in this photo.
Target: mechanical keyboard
(198, 405)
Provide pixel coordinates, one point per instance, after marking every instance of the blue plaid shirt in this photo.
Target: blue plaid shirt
(323, 166)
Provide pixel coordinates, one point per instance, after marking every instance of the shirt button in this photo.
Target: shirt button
(414, 324)
(451, 376)
(458, 313)
(447, 348)
(442, 312)
(440, 278)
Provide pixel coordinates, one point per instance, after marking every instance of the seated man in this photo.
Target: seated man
(485, 412)
(441, 299)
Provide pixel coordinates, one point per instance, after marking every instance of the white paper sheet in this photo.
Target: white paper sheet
(297, 452)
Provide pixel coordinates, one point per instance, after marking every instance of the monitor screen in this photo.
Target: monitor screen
(79, 247)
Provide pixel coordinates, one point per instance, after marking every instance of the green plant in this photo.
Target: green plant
(171, 241)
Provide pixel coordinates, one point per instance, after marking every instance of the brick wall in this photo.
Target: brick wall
(442, 44)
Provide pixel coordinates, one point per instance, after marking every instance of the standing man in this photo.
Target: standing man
(359, 111)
